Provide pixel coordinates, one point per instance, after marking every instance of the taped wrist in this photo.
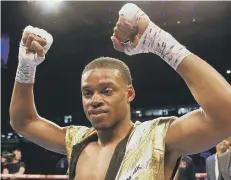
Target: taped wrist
(154, 39)
(157, 41)
(25, 72)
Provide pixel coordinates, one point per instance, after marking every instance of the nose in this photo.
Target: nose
(96, 100)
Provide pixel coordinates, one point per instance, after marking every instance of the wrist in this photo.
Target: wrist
(166, 46)
(157, 41)
(25, 72)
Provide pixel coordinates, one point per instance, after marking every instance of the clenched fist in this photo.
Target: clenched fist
(130, 26)
(34, 45)
(145, 37)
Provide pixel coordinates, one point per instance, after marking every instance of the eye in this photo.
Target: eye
(107, 91)
(87, 94)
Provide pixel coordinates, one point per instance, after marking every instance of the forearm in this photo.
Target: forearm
(209, 88)
(22, 107)
(19, 172)
(5, 171)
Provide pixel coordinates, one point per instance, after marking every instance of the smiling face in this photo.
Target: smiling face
(106, 97)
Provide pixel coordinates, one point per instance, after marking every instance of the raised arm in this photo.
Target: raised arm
(24, 118)
(202, 129)
(198, 130)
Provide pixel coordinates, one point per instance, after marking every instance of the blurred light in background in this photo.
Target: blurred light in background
(67, 119)
(5, 49)
(46, 6)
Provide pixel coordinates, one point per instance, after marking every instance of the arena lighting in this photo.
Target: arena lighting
(46, 6)
(228, 71)
(51, 3)
(67, 119)
(10, 134)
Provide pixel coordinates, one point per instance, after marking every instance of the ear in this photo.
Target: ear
(131, 93)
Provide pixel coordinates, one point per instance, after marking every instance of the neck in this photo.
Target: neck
(114, 135)
(220, 151)
(15, 161)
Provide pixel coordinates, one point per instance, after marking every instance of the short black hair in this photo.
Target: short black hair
(110, 63)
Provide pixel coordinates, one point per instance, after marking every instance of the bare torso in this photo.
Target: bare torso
(94, 161)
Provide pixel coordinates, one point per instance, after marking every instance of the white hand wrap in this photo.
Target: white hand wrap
(28, 62)
(154, 39)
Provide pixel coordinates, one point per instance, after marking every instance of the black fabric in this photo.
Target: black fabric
(76, 151)
(175, 168)
(14, 167)
(186, 169)
(117, 158)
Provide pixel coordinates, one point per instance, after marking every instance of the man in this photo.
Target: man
(16, 166)
(224, 162)
(6, 157)
(116, 148)
(215, 162)
(186, 169)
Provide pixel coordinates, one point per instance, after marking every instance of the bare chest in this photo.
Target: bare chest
(93, 163)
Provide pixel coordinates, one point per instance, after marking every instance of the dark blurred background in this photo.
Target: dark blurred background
(81, 32)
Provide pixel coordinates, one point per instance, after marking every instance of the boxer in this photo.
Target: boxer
(114, 147)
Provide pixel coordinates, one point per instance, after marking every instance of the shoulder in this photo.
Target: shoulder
(152, 130)
(75, 134)
(210, 157)
(21, 164)
(159, 120)
(163, 122)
